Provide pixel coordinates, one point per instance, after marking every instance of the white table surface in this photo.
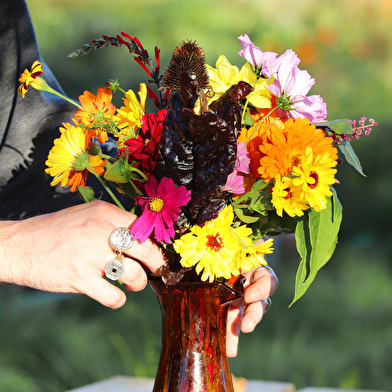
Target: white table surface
(134, 384)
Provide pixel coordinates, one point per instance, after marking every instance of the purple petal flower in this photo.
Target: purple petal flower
(235, 181)
(161, 208)
(290, 88)
(289, 56)
(254, 56)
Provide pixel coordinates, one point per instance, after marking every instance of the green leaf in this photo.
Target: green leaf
(259, 185)
(86, 194)
(339, 126)
(351, 157)
(245, 218)
(316, 237)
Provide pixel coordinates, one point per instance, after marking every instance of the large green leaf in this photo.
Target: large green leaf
(351, 157)
(316, 238)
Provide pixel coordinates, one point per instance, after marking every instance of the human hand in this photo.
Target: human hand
(247, 312)
(67, 251)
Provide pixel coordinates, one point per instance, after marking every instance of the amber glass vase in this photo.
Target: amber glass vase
(193, 354)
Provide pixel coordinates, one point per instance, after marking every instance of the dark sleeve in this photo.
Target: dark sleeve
(27, 126)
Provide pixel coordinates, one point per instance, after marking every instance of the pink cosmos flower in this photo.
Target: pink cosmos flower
(288, 56)
(290, 88)
(161, 208)
(254, 56)
(235, 181)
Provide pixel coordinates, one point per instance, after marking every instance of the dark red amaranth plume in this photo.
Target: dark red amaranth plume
(189, 57)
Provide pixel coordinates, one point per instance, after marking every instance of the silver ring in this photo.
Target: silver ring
(121, 239)
(252, 278)
(114, 269)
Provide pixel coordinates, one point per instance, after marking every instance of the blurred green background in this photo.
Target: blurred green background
(340, 333)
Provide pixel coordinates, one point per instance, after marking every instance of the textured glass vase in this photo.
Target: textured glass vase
(193, 353)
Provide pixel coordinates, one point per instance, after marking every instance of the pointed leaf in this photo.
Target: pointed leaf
(351, 157)
(316, 237)
(338, 126)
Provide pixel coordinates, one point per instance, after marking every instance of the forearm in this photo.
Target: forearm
(67, 251)
(9, 252)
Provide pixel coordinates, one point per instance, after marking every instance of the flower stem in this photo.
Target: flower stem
(259, 123)
(54, 92)
(104, 184)
(136, 102)
(247, 100)
(232, 231)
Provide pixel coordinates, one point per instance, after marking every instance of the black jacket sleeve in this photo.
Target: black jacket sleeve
(27, 126)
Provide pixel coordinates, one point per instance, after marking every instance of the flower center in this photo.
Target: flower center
(288, 196)
(295, 160)
(146, 142)
(214, 242)
(315, 177)
(156, 204)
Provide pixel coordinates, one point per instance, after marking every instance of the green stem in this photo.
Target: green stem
(104, 184)
(259, 123)
(247, 100)
(136, 102)
(105, 125)
(52, 91)
(245, 246)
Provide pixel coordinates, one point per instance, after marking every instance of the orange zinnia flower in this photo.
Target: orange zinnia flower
(275, 150)
(97, 109)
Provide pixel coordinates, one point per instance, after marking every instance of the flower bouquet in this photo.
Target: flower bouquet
(229, 158)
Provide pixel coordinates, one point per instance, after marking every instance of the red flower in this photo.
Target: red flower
(145, 148)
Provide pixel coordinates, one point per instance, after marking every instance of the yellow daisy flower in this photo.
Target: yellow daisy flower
(287, 197)
(226, 75)
(68, 159)
(315, 175)
(252, 256)
(211, 248)
(132, 113)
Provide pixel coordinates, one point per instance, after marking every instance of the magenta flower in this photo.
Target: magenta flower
(290, 88)
(235, 181)
(161, 208)
(254, 56)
